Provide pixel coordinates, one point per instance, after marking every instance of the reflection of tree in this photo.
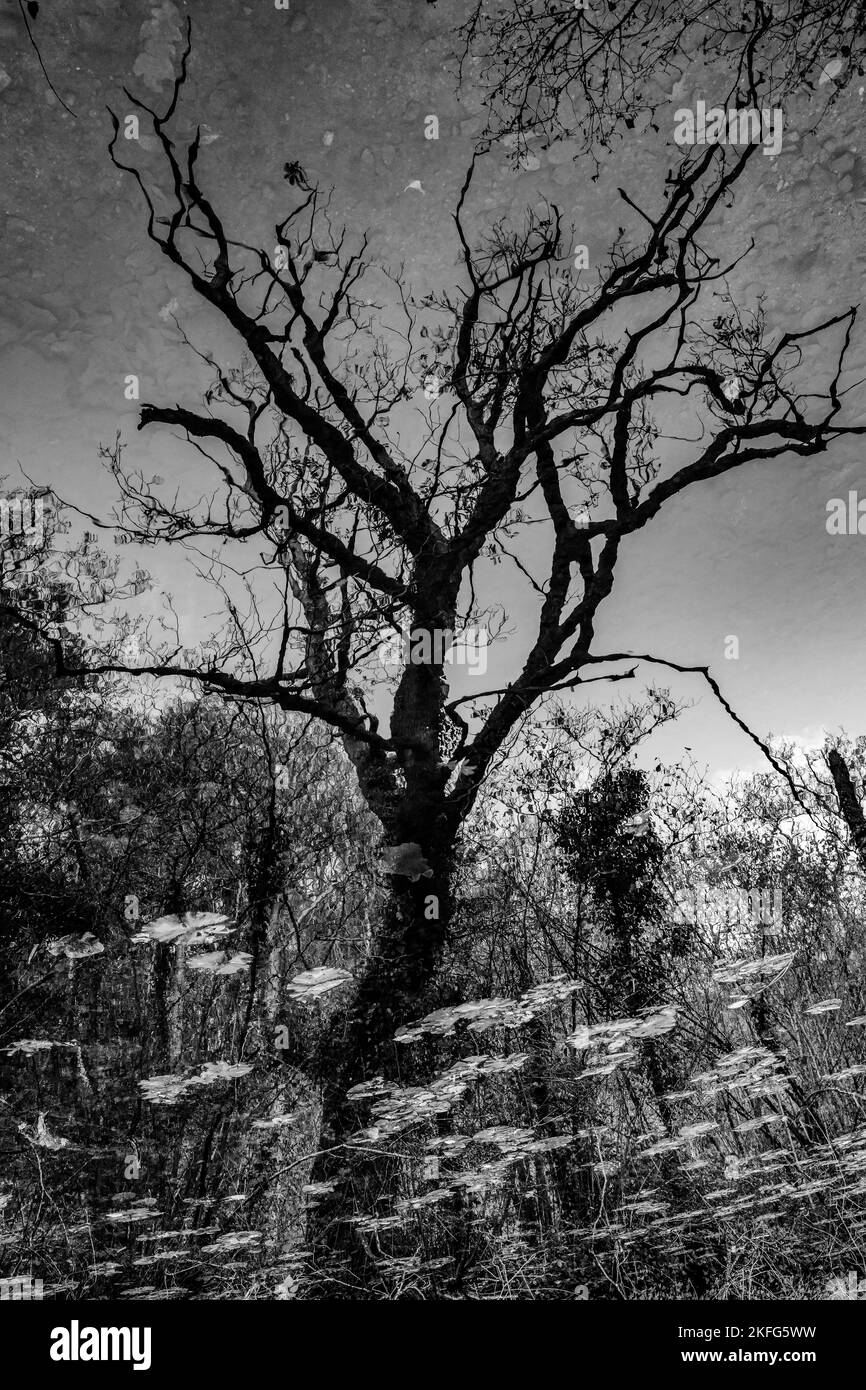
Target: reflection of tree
(552, 392)
(592, 73)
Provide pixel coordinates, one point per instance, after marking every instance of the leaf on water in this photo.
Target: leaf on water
(219, 962)
(140, 1213)
(162, 1090)
(407, 860)
(664, 1146)
(770, 1117)
(232, 1240)
(75, 947)
(847, 1073)
(643, 1208)
(743, 970)
(824, 1006)
(170, 1088)
(206, 936)
(480, 1015)
(831, 71)
(493, 1066)
(504, 1136)
(430, 1199)
(287, 1289)
(371, 1225)
(606, 1167)
(548, 992)
(483, 1014)
(160, 1255)
(697, 1130)
(313, 983)
(208, 961)
(607, 1068)
(242, 960)
(620, 1031)
(656, 1022)
(41, 1135)
(220, 1071)
(450, 1145)
(370, 1090)
(162, 930)
(192, 929)
(550, 1144)
(173, 1235)
(205, 925)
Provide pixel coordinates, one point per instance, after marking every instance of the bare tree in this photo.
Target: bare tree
(550, 391)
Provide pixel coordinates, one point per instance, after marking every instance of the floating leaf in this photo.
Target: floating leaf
(550, 1144)
(319, 1189)
(407, 860)
(76, 947)
(824, 1006)
(162, 930)
(170, 1088)
(133, 1214)
(504, 1136)
(219, 962)
(41, 1135)
(483, 1014)
(742, 970)
(220, 1071)
(275, 1122)
(192, 929)
(242, 960)
(162, 1090)
(697, 1130)
(831, 71)
(232, 1240)
(208, 961)
(770, 1117)
(369, 1090)
(313, 983)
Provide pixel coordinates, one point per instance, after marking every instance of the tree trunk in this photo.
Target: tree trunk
(394, 989)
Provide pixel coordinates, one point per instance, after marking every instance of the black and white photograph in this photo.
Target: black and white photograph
(432, 675)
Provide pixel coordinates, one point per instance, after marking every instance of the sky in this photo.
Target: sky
(344, 86)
